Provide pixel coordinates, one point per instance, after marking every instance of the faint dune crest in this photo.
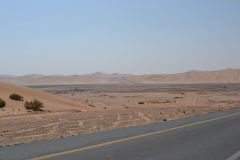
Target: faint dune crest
(51, 102)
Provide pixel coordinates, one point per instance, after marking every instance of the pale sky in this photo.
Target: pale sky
(118, 36)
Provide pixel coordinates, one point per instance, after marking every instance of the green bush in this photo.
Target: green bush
(34, 105)
(16, 97)
(140, 102)
(2, 103)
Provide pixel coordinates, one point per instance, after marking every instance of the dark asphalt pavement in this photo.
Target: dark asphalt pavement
(217, 139)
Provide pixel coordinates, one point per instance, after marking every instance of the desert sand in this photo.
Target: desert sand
(80, 109)
(52, 103)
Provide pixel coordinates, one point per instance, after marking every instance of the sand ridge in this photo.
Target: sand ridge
(51, 102)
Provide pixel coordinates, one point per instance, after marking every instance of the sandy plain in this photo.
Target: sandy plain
(106, 107)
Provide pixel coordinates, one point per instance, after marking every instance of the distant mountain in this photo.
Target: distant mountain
(222, 76)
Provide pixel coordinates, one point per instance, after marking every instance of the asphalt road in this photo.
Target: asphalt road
(214, 136)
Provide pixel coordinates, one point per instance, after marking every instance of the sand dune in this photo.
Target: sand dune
(227, 75)
(51, 102)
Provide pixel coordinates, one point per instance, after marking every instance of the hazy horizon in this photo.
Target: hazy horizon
(126, 37)
(36, 74)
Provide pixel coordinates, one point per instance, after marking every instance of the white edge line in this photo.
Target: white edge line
(235, 156)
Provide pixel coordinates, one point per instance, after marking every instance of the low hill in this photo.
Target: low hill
(220, 76)
(51, 102)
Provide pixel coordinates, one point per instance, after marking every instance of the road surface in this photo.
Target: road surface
(214, 136)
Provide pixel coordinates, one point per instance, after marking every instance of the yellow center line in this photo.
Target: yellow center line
(130, 138)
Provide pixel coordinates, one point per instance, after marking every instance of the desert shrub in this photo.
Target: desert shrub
(16, 97)
(2, 103)
(91, 105)
(178, 97)
(34, 105)
(140, 102)
(159, 102)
